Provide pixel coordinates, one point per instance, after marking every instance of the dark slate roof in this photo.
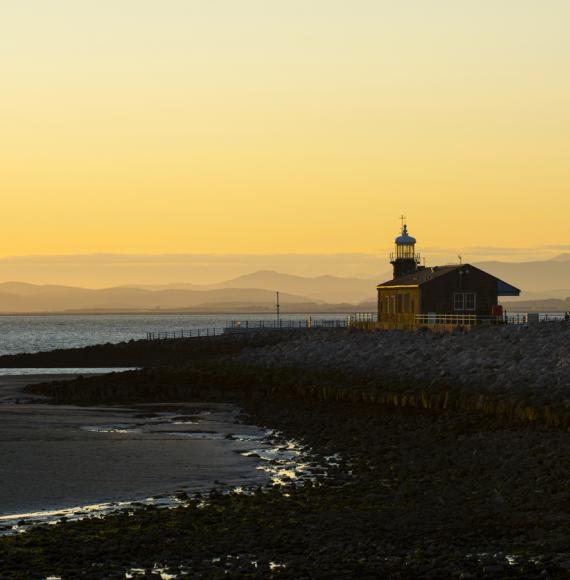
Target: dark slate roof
(504, 289)
(424, 275)
(421, 276)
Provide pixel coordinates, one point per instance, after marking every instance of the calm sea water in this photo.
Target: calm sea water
(39, 333)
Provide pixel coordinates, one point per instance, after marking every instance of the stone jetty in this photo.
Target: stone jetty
(516, 372)
(531, 360)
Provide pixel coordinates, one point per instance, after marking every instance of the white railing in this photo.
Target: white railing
(456, 319)
(432, 319)
(362, 317)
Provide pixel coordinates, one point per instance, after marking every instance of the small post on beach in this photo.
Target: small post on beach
(277, 308)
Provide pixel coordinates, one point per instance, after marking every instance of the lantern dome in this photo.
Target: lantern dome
(405, 238)
(405, 259)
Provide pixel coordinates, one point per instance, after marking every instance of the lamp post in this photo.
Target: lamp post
(277, 308)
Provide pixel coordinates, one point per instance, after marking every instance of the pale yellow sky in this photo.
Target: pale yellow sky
(256, 126)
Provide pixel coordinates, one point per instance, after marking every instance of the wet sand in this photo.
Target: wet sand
(54, 457)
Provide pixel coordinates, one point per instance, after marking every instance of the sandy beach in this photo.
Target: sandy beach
(54, 457)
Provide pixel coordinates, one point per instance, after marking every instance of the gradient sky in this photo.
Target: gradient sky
(259, 126)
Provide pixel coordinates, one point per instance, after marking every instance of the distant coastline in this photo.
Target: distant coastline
(163, 312)
(543, 306)
(522, 306)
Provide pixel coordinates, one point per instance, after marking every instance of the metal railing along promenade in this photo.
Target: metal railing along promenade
(456, 319)
(473, 319)
(192, 333)
(360, 319)
(363, 317)
(433, 319)
(424, 319)
(239, 326)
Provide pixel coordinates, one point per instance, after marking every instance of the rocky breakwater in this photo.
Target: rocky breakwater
(516, 371)
(146, 353)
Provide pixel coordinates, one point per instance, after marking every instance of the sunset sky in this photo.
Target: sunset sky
(298, 126)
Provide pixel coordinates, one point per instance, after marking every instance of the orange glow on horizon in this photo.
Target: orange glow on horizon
(258, 127)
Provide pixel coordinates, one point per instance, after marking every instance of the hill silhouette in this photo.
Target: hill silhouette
(539, 280)
(535, 277)
(18, 298)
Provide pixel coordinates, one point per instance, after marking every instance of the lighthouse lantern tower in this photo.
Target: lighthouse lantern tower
(405, 260)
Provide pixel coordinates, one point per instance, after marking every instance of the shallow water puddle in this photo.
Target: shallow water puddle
(191, 434)
(287, 463)
(112, 429)
(163, 572)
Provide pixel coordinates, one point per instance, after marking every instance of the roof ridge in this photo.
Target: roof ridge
(422, 275)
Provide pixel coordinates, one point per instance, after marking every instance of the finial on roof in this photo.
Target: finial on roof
(404, 237)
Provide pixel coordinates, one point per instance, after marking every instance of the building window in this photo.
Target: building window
(458, 301)
(464, 301)
(470, 301)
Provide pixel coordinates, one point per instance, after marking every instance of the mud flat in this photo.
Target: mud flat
(65, 461)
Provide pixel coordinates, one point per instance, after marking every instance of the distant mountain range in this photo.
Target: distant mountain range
(321, 289)
(17, 297)
(545, 279)
(540, 281)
